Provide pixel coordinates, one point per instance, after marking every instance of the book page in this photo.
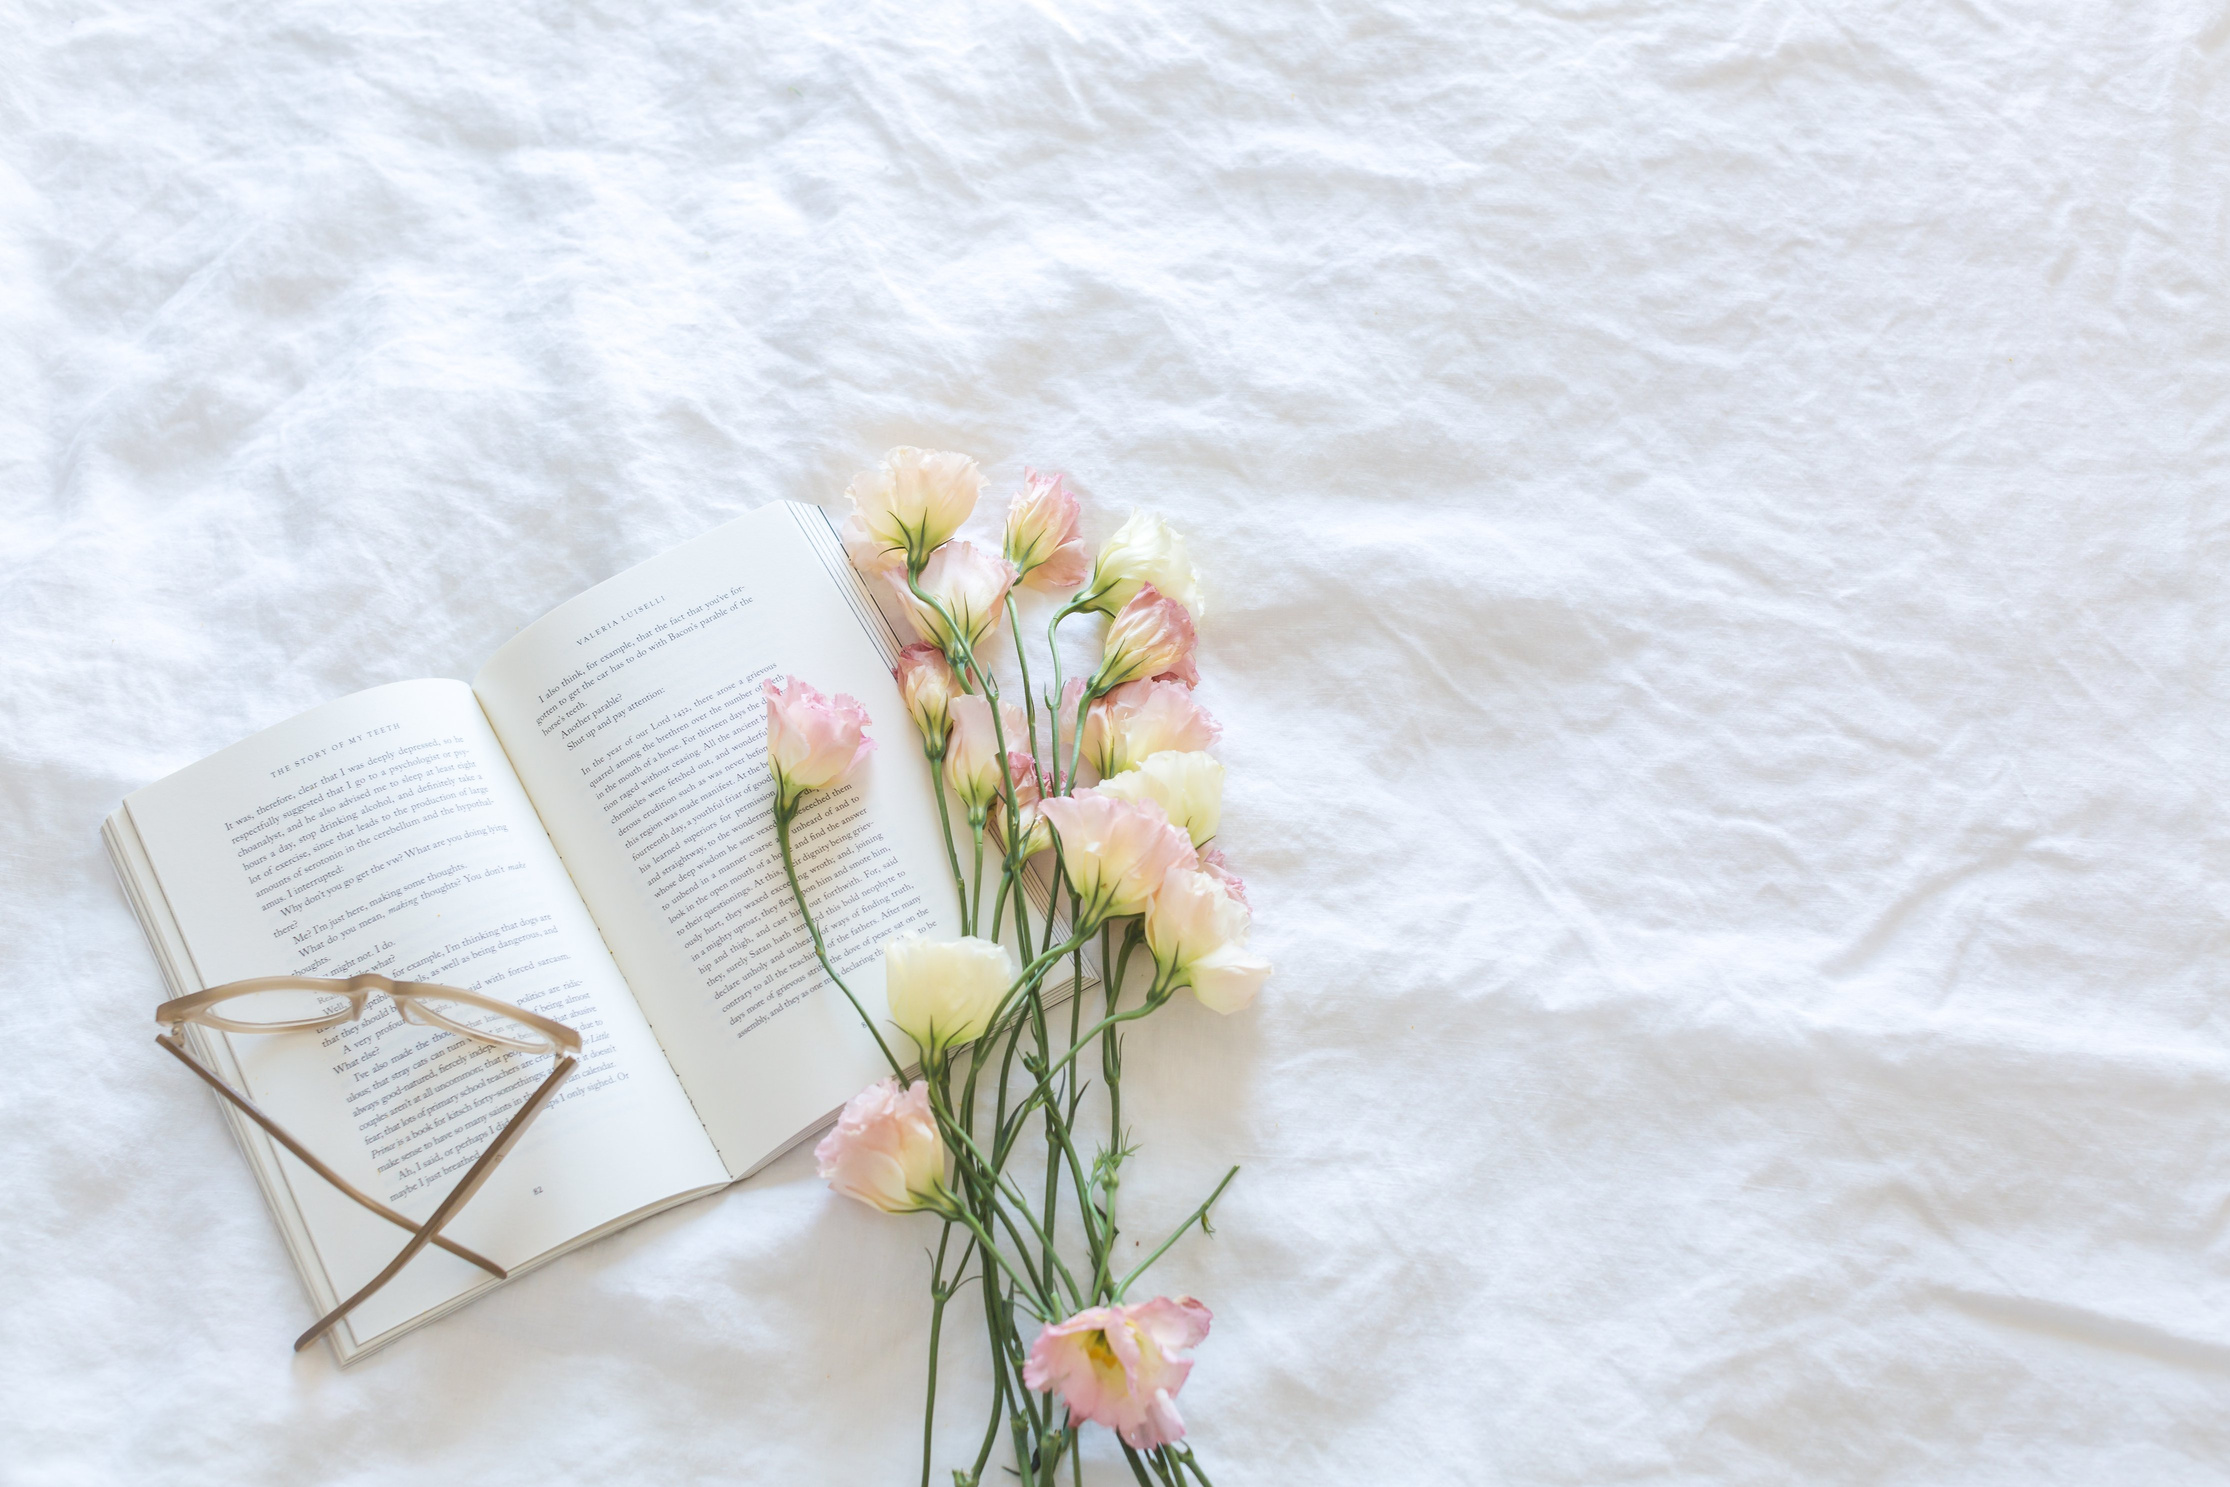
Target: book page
(386, 832)
(635, 718)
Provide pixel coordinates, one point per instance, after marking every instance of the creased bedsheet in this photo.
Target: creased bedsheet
(1717, 520)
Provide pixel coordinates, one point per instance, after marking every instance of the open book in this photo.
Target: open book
(585, 831)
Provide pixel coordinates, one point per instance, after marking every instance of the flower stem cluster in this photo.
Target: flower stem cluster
(1120, 864)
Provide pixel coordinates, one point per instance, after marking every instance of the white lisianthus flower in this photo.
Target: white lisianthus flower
(910, 505)
(1198, 934)
(943, 993)
(1189, 786)
(1143, 551)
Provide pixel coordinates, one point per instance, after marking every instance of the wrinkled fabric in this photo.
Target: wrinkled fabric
(1714, 519)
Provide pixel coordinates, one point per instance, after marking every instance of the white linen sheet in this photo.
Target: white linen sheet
(1716, 515)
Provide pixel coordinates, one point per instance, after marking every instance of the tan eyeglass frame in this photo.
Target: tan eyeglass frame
(411, 999)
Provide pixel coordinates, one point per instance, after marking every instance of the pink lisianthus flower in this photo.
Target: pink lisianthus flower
(1029, 790)
(1116, 852)
(970, 584)
(1215, 865)
(813, 741)
(1121, 1366)
(1197, 931)
(868, 552)
(908, 506)
(1141, 718)
(972, 756)
(926, 682)
(885, 1150)
(1044, 541)
(1152, 637)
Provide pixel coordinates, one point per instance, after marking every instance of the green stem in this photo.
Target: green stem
(1183, 1456)
(790, 870)
(975, 824)
(944, 819)
(1076, 745)
(1013, 803)
(1111, 1073)
(1053, 707)
(998, 1404)
(1042, 1311)
(1153, 1003)
(1027, 981)
(999, 909)
(1164, 1469)
(1063, 1143)
(1022, 659)
(1035, 1007)
(999, 1185)
(938, 1296)
(985, 1182)
(1199, 1216)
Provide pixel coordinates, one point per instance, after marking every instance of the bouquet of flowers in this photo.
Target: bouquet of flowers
(1101, 785)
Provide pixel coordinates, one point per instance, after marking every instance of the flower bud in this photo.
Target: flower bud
(1152, 637)
(926, 682)
(972, 756)
(1043, 541)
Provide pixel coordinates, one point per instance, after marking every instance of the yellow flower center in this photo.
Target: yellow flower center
(1102, 1356)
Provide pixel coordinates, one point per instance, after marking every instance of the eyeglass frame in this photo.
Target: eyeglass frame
(564, 1042)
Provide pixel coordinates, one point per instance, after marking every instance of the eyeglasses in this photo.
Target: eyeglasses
(306, 1004)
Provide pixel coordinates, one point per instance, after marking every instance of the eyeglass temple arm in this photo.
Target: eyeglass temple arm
(170, 1043)
(430, 1232)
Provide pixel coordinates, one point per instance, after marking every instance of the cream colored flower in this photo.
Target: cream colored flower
(911, 504)
(1145, 550)
(1188, 786)
(943, 992)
